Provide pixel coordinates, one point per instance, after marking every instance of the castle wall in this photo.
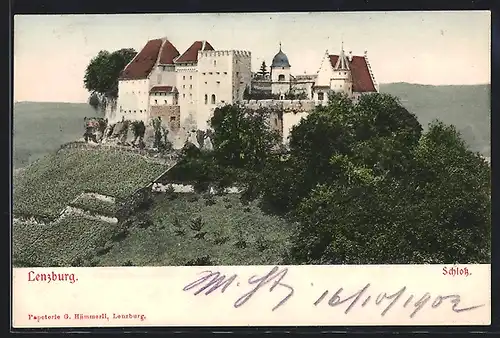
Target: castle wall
(187, 85)
(162, 98)
(170, 115)
(223, 77)
(163, 75)
(133, 99)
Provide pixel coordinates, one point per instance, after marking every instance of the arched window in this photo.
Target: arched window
(213, 98)
(206, 98)
(281, 77)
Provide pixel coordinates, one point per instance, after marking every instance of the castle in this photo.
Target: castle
(184, 89)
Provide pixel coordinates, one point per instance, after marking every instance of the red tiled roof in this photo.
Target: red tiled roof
(191, 54)
(168, 53)
(361, 78)
(143, 63)
(161, 89)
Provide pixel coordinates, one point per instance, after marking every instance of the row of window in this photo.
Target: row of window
(190, 77)
(218, 73)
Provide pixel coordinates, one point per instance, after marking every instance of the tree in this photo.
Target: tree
(368, 188)
(263, 69)
(102, 73)
(376, 133)
(242, 137)
(138, 129)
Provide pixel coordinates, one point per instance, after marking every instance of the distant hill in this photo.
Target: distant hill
(41, 127)
(466, 107)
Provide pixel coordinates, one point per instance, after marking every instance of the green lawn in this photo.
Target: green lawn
(235, 234)
(48, 185)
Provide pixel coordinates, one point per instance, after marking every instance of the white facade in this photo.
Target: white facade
(222, 79)
(133, 99)
(187, 85)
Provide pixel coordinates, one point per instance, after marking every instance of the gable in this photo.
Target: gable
(155, 50)
(191, 54)
(362, 80)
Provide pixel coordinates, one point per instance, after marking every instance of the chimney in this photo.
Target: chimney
(350, 56)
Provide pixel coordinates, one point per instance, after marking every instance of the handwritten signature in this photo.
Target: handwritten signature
(219, 281)
(211, 281)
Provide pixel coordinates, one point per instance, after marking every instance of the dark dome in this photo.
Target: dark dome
(280, 60)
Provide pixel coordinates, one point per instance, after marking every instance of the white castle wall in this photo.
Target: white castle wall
(133, 99)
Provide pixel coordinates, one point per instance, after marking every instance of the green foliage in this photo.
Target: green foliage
(242, 137)
(102, 73)
(377, 191)
(263, 69)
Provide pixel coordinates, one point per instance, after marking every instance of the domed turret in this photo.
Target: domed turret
(280, 60)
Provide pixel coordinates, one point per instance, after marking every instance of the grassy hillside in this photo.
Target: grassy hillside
(41, 127)
(466, 107)
(177, 229)
(47, 186)
(61, 243)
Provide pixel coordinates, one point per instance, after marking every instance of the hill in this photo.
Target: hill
(466, 107)
(47, 186)
(42, 127)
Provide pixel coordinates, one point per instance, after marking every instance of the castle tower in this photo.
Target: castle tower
(342, 79)
(280, 74)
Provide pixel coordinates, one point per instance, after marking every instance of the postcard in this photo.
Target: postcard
(251, 169)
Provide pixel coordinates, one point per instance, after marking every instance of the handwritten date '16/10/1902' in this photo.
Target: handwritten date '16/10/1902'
(211, 281)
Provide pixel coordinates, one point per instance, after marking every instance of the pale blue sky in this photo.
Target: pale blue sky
(51, 52)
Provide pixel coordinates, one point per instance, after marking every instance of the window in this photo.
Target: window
(275, 121)
(190, 77)
(206, 82)
(183, 77)
(165, 101)
(225, 73)
(190, 95)
(237, 73)
(156, 101)
(281, 77)
(218, 83)
(213, 98)
(222, 101)
(203, 73)
(184, 86)
(321, 96)
(282, 67)
(140, 111)
(190, 86)
(183, 96)
(218, 73)
(172, 118)
(206, 98)
(135, 111)
(215, 63)
(210, 73)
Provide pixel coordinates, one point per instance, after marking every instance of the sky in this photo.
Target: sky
(51, 52)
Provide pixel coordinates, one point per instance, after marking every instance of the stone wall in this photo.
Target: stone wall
(287, 106)
(170, 115)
